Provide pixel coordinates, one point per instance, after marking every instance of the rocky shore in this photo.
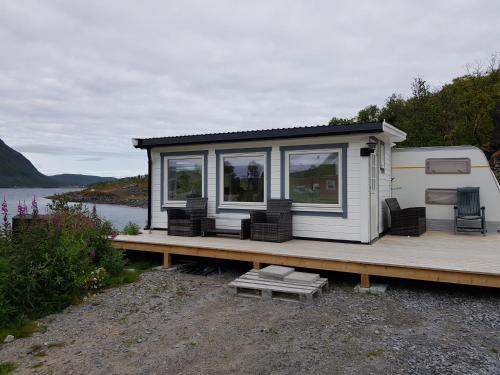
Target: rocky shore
(126, 193)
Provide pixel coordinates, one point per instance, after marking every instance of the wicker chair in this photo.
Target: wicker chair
(274, 224)
(468, 210)
(187, 221)
(407, 221)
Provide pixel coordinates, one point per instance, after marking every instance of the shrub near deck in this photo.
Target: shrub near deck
(47, 265)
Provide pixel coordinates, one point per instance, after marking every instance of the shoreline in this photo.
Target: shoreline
(95, 197)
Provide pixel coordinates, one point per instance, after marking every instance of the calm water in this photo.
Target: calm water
(118, 215)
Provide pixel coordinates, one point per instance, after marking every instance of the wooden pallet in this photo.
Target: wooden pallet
(252, 285)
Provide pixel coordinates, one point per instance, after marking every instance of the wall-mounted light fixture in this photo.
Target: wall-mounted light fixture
(370, 149)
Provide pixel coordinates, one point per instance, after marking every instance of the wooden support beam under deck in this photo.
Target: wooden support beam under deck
(167, 260)
(365, 280)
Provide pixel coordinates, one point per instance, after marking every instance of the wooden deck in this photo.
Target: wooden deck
(469, 259)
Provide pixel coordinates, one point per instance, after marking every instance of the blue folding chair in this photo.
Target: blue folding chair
(469, 210)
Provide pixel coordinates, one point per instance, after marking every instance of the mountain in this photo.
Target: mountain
(79, 179)
(17, 171)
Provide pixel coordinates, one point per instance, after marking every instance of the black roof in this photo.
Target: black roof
(253, 135)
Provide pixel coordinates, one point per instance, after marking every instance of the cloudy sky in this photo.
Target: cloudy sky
(79, 79)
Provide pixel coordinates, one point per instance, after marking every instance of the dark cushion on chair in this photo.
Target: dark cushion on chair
(407, 221)
(393, 204)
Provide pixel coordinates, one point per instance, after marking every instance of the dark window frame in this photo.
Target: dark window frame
(220, 206)
(163, 157)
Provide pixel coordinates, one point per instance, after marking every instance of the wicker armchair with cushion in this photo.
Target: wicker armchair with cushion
(469, 210)
(274, 224)
(407, 221)
(187, 221)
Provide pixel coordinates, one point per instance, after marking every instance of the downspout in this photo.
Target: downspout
(150, 168)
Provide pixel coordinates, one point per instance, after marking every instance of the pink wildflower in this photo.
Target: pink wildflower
(5, 208)
(5, 225)
(56, 219)
(34, 206)
(22, 210)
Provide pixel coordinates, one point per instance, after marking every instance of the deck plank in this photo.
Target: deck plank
(463, 258)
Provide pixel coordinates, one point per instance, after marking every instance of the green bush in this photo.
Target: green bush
(131, 229)
(46, 266)
(7, 367)
(112, 260)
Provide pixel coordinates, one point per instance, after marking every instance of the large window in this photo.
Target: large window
(184, 176)
(243, 178)
(313, 177)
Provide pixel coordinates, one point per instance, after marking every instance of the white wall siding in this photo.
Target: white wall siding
(385, 186)
(305, 225)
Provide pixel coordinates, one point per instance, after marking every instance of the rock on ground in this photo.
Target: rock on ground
(173, 323)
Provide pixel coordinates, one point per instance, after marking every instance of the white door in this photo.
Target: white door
(374, 201)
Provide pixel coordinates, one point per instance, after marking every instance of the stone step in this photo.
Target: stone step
(301, 277)
(275, 272)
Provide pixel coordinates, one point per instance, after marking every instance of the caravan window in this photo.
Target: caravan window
(447, 166)
(441, 196)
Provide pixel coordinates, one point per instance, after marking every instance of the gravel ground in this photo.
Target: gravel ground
(174, 323)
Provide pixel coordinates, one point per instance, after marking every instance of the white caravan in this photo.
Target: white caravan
(429, 176)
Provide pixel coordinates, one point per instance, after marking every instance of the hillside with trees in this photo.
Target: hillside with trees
(463, 112)
(129, 191)
(17, 171)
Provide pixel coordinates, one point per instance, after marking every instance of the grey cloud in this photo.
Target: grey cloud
(80, 79)
(73, 151)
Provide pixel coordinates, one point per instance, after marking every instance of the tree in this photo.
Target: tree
(464, 111)
(369, 114)
(420, 88)
(340, 121)
(393, 109)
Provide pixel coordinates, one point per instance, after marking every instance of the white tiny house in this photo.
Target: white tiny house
(337, 176)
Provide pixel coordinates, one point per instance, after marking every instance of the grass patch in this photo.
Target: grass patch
(38, 350)
(142, 261)
(182, 291)
(25, 329)
(346, 339)
(131, 229)
(136, 264)
(494, 350)
(7, 367)
(127, 276)
(375, 353)
(56, 345)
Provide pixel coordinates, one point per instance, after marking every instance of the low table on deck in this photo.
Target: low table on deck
(208, 228)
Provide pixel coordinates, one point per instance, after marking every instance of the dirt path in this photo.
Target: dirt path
(173, 323)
